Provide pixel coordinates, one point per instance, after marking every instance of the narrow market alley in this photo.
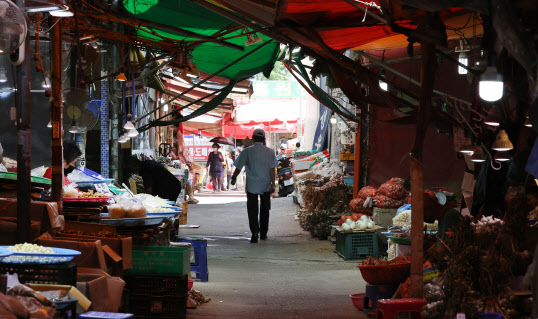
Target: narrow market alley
(290, 275)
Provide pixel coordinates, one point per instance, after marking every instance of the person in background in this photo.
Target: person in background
(447, 217)
(229, 164)
(215, 165)
(260, 162)
(71, 155)
(158, 181)
(2, 166)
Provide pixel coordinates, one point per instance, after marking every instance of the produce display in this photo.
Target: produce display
(117, 211)
(356, 222)
(150, 199)
(391, 194)
(375, 261)
(482, 265)
(30, 248)
(487, 221)
(404, 220)
(91, 194)
(153, 209)
(324, 197)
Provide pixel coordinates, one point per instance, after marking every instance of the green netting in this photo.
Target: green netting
(209, 57)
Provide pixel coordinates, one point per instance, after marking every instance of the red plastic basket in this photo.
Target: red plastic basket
(88, 200)
(358, 300)
(383, 274)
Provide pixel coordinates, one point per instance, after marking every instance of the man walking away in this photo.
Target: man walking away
(215, 165)
(260, 163)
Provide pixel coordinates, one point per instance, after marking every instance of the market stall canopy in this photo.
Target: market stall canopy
(209, 56)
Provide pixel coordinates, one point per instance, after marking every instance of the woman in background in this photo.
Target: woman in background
(71, 155)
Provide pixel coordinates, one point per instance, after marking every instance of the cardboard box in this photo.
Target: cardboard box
(104, 291)
(43, 215)
(92, 254)
(84, 302)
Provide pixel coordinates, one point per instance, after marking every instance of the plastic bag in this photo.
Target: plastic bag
(70, 191)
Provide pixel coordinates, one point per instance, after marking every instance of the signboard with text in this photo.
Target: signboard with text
(198, 146)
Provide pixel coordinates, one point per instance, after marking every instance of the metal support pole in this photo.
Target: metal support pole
(24, 143)
(56, 114)
(427, 78)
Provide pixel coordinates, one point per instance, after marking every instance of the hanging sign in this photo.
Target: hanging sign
(321, 130)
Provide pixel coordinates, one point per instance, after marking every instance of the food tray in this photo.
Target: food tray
(149, 215)
(88, 200)
(143, 222)
(61, 255)
(400, 240)
(4, 252)
(33, 179)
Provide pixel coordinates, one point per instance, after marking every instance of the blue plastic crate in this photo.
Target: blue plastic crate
(348, 180)
(105, 315)
(357, 245)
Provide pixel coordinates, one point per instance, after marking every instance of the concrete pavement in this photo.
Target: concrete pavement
(290, 275)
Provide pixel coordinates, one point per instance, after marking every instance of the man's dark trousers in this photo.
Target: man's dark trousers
(252, 207)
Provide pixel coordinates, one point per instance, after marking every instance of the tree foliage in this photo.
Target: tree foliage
(279, 73)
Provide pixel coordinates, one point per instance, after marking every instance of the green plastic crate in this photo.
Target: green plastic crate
(33, 179)
(159, 260)
(357, 245)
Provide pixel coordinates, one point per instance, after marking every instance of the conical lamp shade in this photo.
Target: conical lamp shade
(494, 117)
(129, 125)
(467, 148)
(478, 155)
(502, 142)
(502, 156)
(132, 133)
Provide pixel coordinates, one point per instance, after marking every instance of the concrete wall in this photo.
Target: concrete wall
(310, 116)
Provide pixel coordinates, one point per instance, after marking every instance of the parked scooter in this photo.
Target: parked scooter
(285, 177)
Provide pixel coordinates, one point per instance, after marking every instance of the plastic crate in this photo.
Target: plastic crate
(348, 180)
(158, 286)
(158, 307)
(56, 274)
(357, 245)
(159, 260)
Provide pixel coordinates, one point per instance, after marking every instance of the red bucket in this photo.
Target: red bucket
(191, 283)
(358, 300)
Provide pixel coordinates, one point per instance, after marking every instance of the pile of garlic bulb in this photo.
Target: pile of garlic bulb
(30, 248)
(362, 224)
(486, 221)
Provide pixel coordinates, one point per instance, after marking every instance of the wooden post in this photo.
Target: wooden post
(56, 114)
(357, 169)
(23, 102)
(427, 77)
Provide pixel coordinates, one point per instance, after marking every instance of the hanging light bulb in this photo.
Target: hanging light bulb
(73, 129)
(45, 85)
(494, 116)
(382, 84)
(462, 57)
(502, 142)
(502, 156)
(333, 120)
(165, 108)
(478, 155)
(132, 133)
(491, 85)
(467, 148)
(161, 100)
(49, 125)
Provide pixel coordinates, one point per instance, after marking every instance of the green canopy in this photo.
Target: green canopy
(209, 57)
